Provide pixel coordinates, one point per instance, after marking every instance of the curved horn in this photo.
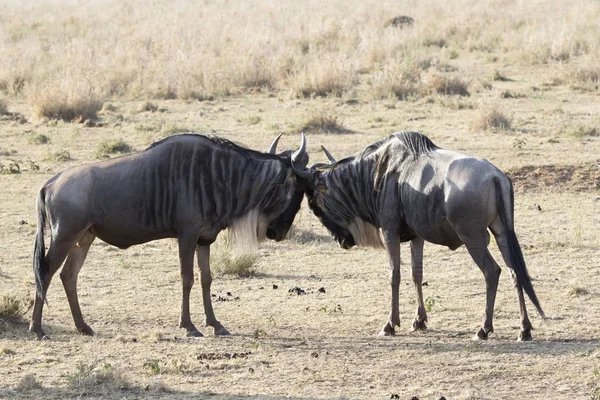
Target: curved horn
(328, 154)
(273, 148)
(298, 155)
(300, 159)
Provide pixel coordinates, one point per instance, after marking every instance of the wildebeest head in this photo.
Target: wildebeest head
(294, 183)
(325, 205)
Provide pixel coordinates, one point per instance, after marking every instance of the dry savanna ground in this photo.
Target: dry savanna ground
(515, 82)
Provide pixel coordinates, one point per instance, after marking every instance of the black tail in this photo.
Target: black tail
(40, 269)
(516, 255)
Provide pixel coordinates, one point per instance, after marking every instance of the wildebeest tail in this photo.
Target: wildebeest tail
(506, 212)
(40, 269)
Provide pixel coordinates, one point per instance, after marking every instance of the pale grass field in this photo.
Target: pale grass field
(318, 345)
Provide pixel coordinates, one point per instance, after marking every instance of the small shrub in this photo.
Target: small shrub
(38, 138)
(148, 106)
(492, 119)
(174, 129)
(579, 131)
(65, 104)
(446, 85)
(61, 156)
(252, 120)
(13, 167)
(87, 376)
(498, 76)
(321, 122)
(226, 262)
(109, 147)
(28, 382)
(4, 107)
(576, 290)
(152, 367)
(13, 309)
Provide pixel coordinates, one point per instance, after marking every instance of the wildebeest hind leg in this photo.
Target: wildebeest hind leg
(203, 253)
(187, 246)
(69, 274)
(58, 251)
(477, 247)
(502, 240)
(416, 250)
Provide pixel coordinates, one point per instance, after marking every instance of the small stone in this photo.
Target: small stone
(275, 286)
(322, 290)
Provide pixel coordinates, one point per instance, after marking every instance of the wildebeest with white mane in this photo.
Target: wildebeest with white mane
(405, 188)
(189, 187)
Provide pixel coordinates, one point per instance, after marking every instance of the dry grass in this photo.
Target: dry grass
(4, 107)
(445, 85)
(320, 121)
(28, 382)
(225, 261)
(319, 51)
(88, 376)
(66, 101)
(491, 119)
(579, 131)
(12, 308)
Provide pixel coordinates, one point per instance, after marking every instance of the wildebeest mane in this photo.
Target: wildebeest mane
(225, 143)
(416, 143)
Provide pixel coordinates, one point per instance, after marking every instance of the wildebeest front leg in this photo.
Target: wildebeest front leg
(416, 250)
(69, 274)
(393, 247)
(187, 245)
(203, 253)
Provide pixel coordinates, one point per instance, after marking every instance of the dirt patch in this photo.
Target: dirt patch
(563, 178)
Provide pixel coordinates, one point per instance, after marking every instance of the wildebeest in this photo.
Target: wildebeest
(189, 187)
(405, 188)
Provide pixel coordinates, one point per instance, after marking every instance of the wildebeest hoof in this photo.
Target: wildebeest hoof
(222, 332)
(482, 335)
(525, 336)
(387, 330)
(86, 330)
(418, 325)
(194, 333)
(43, 337)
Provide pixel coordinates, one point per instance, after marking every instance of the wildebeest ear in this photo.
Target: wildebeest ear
(322, 187)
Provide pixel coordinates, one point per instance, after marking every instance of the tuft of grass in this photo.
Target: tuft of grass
(108, 108)
(12, 308)
(109, 147)
(321, 121)
(491, 119)
(226, 262)
(4, 107)
(152, 367)
(60, 156)
(148, 106)
(28, 382)
(576, 290)
(498, 76)
(446, 85)
(251, 120)
(67, 104)
(87, 376)
(579, 131)
(174, 129)
(38, 138)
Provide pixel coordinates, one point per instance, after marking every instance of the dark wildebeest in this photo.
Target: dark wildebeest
(189, 187)
(405, 188)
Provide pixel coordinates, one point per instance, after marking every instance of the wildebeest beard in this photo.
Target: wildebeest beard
(339, 233)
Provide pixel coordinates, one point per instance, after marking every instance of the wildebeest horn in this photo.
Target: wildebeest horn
(273, 148)
(328, 154)
(300, 159)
